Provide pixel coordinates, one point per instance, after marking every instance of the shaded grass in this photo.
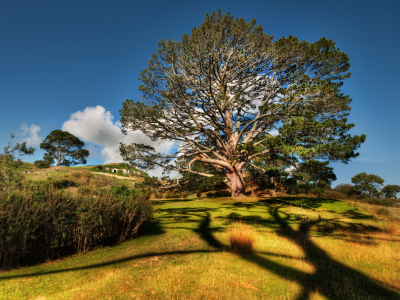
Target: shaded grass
(185, 253)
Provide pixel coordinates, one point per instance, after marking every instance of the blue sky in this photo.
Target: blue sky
(83, 58)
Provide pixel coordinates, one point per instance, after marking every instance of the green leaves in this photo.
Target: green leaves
(9, 164)
(221, 90)
(64, 147)
(367, 184)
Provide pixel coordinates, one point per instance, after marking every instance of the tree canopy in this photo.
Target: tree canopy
(391, 191)
(367, 184)
(65, 148)
(229, 93)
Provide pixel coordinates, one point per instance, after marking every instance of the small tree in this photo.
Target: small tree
(9, 164)
(65, 148)
(367, 184)
(391, 191)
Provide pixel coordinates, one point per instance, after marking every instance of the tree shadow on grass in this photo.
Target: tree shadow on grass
(161, 202)
(331, 278)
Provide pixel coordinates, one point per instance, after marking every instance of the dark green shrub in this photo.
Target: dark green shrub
(198, 194)
(209, 195)
(41, 224)
(184, 195)
(222, 194)
(378, 201)
(42, 164)
(62, 183)
(85, 190)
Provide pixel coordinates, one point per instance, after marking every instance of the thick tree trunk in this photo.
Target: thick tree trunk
(236, 184)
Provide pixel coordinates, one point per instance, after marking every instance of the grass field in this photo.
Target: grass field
(304, 248)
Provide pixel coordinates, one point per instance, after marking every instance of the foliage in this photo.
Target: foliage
(205, 92)
(366, 185)
(39, 224)
(345, 188)
(391, 191)
(316, 172)
(65, 148)
(378, 201)
(41, 164)
(9, 164)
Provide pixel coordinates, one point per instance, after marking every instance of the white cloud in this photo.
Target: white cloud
(30, 134)
(95, 125)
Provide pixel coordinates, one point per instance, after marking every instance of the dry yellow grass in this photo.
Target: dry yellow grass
(390, 227)
(241, 238)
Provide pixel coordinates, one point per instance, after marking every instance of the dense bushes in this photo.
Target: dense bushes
(379, 201)
(218, 194)
(43, 223)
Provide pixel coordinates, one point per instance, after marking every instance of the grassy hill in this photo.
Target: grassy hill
(304, 248)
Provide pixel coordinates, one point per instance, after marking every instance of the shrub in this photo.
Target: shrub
(209, 195)
(41, 164)
(85, 190)
(378, 201)
(333, 194)
(198, 194)
(81, 177)
(222, 194)
(101, 181)
(40, 224)
(184, 195)
(345, 188)
(241, 238)
(158, 195)
(62, 183)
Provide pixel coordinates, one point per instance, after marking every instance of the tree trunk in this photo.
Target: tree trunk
(252, 189)
(236, 184)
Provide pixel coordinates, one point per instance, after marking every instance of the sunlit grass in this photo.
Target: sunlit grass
(186, 253)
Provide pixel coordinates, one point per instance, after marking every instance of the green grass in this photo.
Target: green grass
(305, 248)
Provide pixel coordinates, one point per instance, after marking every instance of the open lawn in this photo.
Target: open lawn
(304, 248)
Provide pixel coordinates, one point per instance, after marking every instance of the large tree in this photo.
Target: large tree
(226, 89)
(65, 148)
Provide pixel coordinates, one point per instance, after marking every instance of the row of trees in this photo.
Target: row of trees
(369, 186)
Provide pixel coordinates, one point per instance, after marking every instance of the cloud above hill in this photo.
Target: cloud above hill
(30, 134)
(95, 125)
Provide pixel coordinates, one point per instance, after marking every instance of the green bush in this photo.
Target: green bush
(62, 183)
(379, 201)
(159, 195)
(41, 164)
(41, 224)
(184, 195)
(198, 194)
(222, 194)
(84, 190)
(218, 194)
